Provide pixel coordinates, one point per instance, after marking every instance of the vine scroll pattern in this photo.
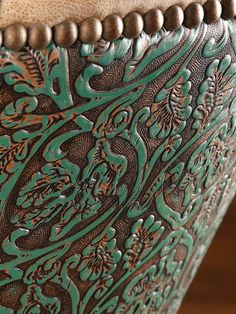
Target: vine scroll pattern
(117, 164)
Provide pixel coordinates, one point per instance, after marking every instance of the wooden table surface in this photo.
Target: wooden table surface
(213, 290)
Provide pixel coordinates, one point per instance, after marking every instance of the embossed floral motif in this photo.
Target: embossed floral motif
(139, 294)
(34, 301)
(208, 211)
(34, 72)
(215, 91)
(100, 258)
(149, 291)
(144, 235)
(50, 269)
(212, 157)
(31, 67)
(60, 189)
(46, 189)
(104, 284)
(171, 108)
(11, 155)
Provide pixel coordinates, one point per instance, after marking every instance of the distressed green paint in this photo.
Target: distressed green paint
(116, 242)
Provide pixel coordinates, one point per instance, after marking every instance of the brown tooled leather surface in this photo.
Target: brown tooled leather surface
(55, 11)
(78, 148)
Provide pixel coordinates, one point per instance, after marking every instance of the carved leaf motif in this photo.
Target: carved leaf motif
(29, 67)
(17, 114)
(100, 258)
(73, 212)
(145, 234)
(109, 166)
(11, 155)
(137, 293)
(215, 91)
(34, 73)
(45, 268)
(213, 157)
(171, 108)
(150, 290)
(148, 48)
(99, 178)
(34, 301)
(104, 53)
(45, 193)
(171, 147)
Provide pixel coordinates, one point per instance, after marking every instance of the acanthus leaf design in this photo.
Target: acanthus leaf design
(100, 258)
(144, 235)
(171, 108)
(45, 193)
(214, 92)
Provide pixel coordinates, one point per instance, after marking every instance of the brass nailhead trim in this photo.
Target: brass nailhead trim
(90, 30)
(113, 27)
(153, 21)
(15, 36)
(39, 36)
(174, 17)
(212, 11)
(193, 15)
(133, 25)
(228, 9)
(65, 34)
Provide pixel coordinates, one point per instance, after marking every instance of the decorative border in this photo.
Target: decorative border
(65, 34)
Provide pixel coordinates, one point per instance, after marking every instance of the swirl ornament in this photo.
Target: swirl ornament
(117, 161)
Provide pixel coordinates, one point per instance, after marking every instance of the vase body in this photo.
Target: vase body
(117, 164)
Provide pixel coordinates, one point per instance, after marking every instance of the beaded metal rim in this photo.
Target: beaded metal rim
(65, 34)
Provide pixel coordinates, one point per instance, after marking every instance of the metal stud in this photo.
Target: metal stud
(212, 11)
(193, 15)
(66, 33)
(40, 36)
(228, 9)
(90, 30)
(174, 17)
(15, 37)
(153, 21)
(133, 25)
(112, 27)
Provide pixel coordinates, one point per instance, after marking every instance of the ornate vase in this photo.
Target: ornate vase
(117, 157)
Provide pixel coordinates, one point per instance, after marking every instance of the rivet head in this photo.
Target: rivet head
(153, 21)
(15, 37)
(228, 9)
(212, 11)
(66, 33)
(39, 36)
(112, 27)
(133, 25)
(173, 18)
(90, 30)
(193, 15)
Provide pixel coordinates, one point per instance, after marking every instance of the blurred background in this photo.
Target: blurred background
(213, 290)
